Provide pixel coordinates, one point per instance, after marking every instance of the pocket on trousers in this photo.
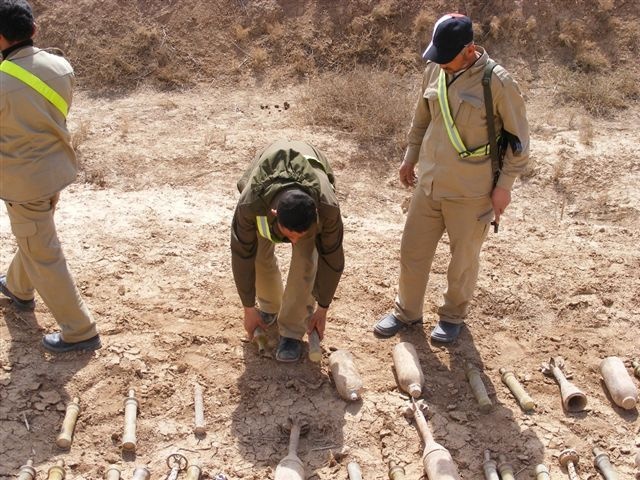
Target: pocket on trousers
(22, 230)
(487, 217)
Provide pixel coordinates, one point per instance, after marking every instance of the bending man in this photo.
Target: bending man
(287, 196)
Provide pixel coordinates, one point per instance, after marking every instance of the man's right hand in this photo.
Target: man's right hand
(252, 320)
(408, 174)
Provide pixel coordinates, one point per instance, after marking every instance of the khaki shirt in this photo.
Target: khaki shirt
(328, 231)
(441, 171)
(36, 158)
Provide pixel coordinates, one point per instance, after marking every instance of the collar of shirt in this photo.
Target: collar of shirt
(25, 43)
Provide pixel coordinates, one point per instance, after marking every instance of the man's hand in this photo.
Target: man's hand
(252, 320)
(500, 199)
(408, 174)
(318, 321)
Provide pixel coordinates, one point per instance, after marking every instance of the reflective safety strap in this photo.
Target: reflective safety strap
(452, 130)
(263, 229)
(25, 76)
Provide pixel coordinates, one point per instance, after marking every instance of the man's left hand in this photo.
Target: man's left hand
(500, 199)
(318, 321)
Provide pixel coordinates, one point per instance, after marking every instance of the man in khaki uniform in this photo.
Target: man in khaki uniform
(448, 141)
(36, 163)
(287, 195)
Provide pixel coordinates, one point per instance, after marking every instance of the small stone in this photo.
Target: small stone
(50, 396)
(458, 416)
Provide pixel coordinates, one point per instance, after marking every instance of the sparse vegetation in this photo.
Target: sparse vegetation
(259, 56)
(375, 106)
(600, 95)
(180, 50)
(80, 134)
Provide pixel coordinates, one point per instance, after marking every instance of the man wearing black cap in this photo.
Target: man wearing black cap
(287, 195)
(455, 191)
(36, 163)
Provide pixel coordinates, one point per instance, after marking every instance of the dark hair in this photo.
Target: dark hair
(16, 20)
(296, 211)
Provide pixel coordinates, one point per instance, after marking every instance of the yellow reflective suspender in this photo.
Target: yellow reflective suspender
(263, 229)
(452, 130)
(25, 76)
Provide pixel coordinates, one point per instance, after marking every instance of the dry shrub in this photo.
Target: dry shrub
(96, 177)
(589, 58)
(302, 63)
(259, 56)
(275, 30)
(384, 10)
(80, 134)
(606, 5)
(586, 131)
(601, 95)
(531, 24)
(387, 39)
(423, 22)
(494, 27)
(240, 33)
(375, 106)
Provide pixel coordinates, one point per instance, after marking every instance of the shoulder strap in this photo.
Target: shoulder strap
(488, 104)
(28, 78)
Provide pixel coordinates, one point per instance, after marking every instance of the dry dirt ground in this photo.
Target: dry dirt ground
(146, 233)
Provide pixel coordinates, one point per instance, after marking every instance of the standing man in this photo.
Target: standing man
(287, 195)
(36, 163)
(455, 190)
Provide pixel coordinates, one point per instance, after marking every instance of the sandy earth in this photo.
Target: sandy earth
(146, 233)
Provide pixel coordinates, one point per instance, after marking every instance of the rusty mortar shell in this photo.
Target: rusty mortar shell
(603, 464)
(636, 368)
(573, 399)
(478, 388)
(315, 351)
(542, 472)
(141, 473)
(510, 380)
(57, 471)
(193, 472)
(505, 468)
(490, 467)
(396, 472)
(408, 368)
(260, 339)
(27, 472)
(68, 424)
(112, 473)
(198, 405)
(354, 472)
(130, 414)
(569, 459)
(619, 383)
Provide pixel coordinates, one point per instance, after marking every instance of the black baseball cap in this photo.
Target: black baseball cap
(451, 34)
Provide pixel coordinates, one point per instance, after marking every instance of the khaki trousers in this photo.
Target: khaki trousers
(39, 265)
(295, 303)
(466, 221)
